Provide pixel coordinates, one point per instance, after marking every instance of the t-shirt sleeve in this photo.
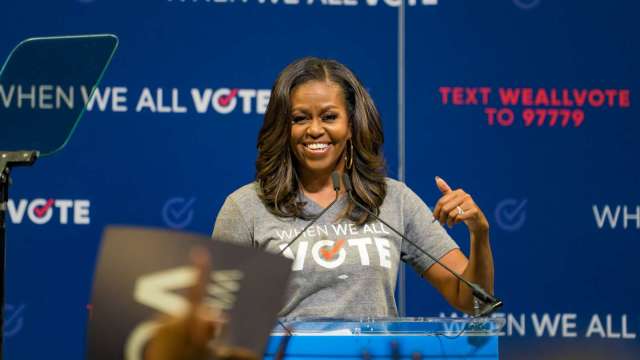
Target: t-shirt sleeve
(420, 228)
(231, 225)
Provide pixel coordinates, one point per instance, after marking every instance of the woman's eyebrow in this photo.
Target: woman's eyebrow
(305, 109)
(328, 107)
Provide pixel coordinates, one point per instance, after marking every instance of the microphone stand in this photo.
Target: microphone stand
(335, 180)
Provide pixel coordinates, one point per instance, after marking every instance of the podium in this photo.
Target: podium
(391, 338)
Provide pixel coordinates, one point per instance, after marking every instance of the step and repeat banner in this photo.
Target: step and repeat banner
(528, 105)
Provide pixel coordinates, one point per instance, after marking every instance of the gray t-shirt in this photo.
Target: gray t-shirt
(340, 269)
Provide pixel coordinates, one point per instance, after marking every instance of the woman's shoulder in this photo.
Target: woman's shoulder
(395, 186)
(245, 195)
(398, 192)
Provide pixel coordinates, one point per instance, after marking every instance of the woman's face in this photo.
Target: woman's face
(320, 127)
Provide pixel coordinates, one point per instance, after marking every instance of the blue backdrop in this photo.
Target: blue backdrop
(526, 104)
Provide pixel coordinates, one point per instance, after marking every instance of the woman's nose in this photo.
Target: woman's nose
(316, 128)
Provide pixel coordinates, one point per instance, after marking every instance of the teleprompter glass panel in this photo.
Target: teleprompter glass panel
(45, 85)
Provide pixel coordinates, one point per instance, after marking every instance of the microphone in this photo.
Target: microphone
(335, 179)
(492, 302)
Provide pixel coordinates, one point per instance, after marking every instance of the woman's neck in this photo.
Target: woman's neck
(318, 188)
(312, 183)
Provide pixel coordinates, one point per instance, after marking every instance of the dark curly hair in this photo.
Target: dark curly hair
(275, 171)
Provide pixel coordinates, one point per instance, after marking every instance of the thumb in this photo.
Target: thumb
(442, 185)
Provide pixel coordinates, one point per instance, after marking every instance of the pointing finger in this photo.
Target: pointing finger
(442, 185)
(202, 263)
(203, 321)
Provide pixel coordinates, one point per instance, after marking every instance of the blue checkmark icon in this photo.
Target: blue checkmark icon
(178, 212)
(526, 4)
(511, 214)
(14, 320)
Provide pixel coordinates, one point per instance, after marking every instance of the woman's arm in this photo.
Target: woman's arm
(457, 206)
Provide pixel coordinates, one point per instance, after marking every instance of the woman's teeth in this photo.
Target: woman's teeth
(317, 146)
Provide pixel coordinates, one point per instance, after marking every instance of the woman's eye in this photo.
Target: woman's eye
(297, 119)
(330, 117)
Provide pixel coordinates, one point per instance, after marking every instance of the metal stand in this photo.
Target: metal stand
(8, 160)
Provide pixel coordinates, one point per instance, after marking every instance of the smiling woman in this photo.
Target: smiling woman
(320, 128)
(321, 120)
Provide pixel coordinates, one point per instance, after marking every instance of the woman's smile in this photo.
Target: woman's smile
(317, 148)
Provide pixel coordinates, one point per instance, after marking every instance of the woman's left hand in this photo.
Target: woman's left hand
(455, 206)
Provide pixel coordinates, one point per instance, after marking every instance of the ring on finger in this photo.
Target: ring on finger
(460, 211)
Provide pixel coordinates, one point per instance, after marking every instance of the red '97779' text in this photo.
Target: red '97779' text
(531, 117)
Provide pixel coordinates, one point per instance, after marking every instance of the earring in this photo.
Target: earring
(349, 159)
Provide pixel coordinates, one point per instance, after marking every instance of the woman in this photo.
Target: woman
(320, 119)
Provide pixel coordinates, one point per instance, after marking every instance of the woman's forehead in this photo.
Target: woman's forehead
(314, 91)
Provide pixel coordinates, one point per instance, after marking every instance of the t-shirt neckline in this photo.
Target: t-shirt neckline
(313, 208)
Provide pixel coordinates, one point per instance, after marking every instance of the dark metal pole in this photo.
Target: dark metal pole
(4, 197)
(8, 160)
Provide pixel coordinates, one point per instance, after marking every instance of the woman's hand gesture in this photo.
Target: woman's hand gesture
(457, 206)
